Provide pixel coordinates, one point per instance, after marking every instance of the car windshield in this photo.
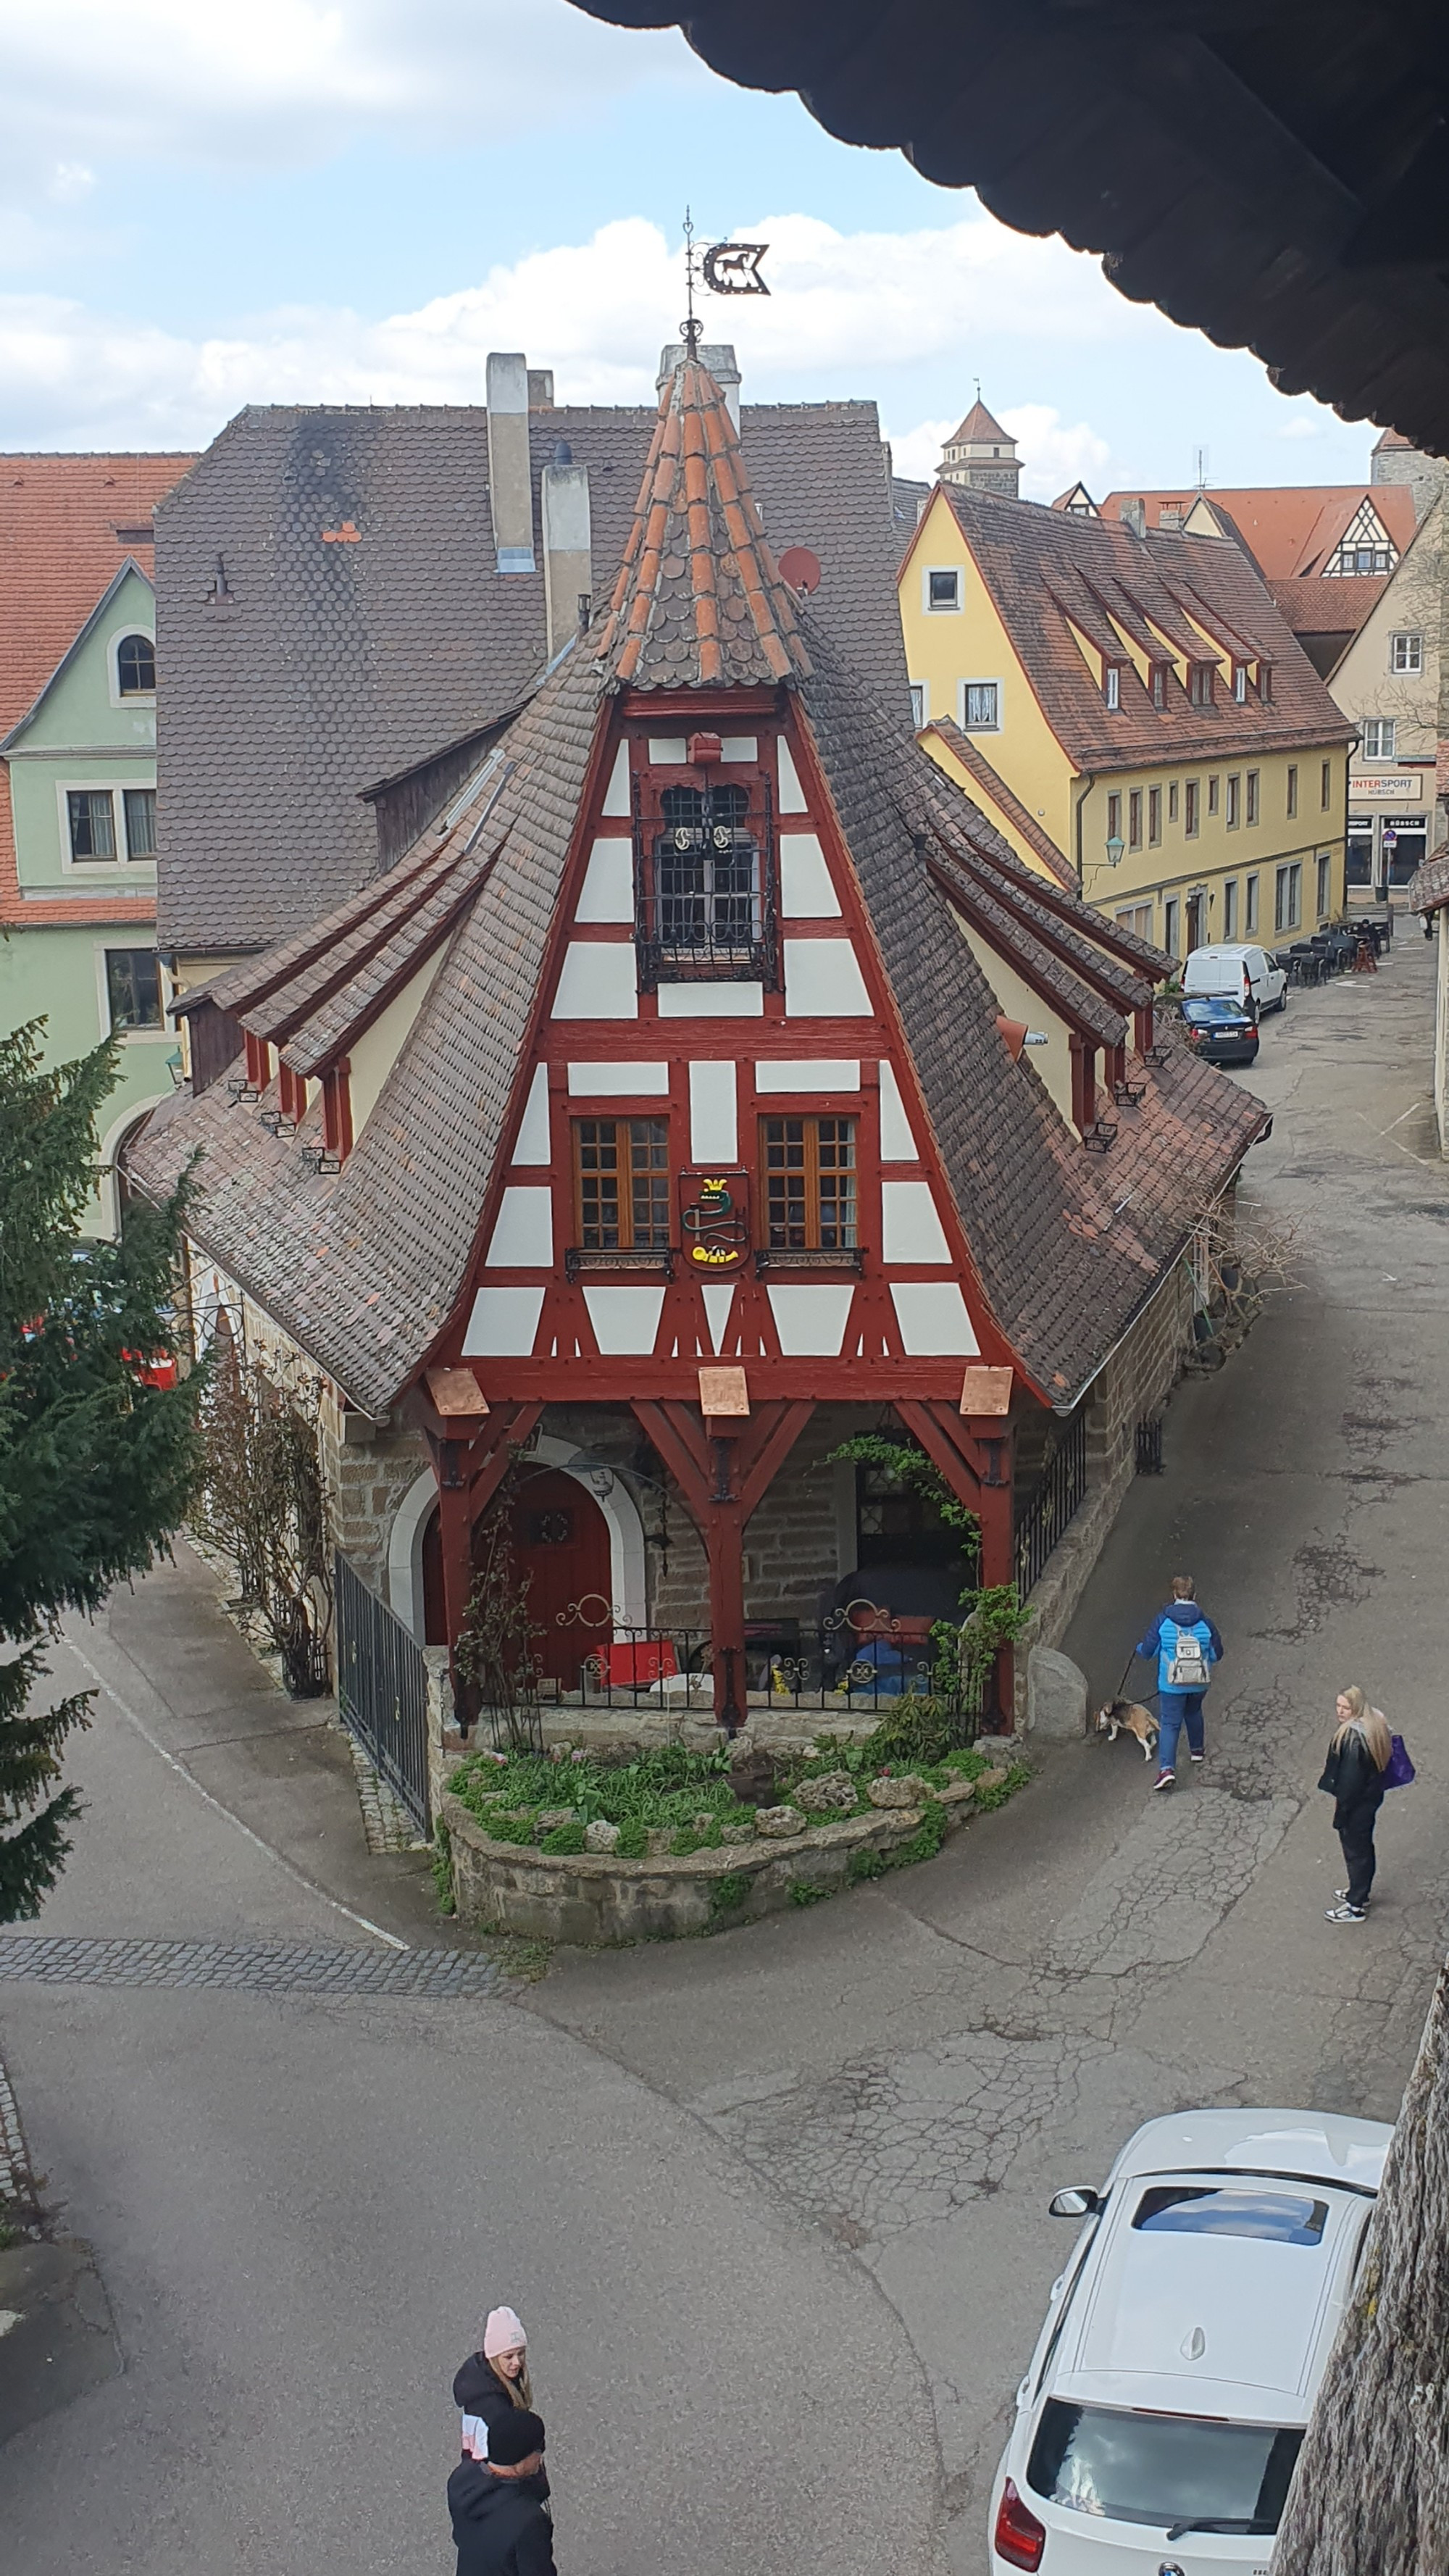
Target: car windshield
(1161, 2468)
(1201, 2209)
(1203, 1007)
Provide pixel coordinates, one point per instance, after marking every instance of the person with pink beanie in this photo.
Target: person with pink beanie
(491, 2383)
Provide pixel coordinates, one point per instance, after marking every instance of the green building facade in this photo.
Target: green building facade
(81, 782)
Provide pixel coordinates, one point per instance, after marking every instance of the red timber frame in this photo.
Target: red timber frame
(722, 1468)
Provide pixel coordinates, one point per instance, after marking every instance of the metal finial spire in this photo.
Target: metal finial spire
(691, 327)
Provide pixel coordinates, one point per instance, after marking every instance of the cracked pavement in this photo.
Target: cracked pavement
(774, 2203)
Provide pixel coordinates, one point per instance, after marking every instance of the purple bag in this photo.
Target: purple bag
(1399, 1770)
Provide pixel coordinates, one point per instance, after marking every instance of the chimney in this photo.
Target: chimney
(719, 357)
(540, 388)
(510, 489)
(1134, 516)
(568, 570)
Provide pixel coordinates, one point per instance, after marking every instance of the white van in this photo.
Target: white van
(1239, 974)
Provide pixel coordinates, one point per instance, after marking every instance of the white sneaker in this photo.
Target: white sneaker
(1346, 1914)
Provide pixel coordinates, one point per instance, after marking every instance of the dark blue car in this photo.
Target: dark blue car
(1224, 1031)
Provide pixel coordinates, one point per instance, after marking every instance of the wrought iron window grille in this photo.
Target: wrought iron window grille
(657, 1264)
(850, 1257)
(705, 887)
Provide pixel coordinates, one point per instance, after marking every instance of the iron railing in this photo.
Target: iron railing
(382, 1691)
(1058, 1496)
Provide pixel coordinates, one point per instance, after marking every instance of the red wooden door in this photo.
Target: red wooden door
(561, 1543)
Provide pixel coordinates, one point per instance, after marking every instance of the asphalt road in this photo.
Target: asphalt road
(772, 2204)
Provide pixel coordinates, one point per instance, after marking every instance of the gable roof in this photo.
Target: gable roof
(77, 645)
(969, 754)
(977, 427)
(67, 525)
(332, 665)
(699, 600)
(366, 1267)
(1049, 571)
(1289, 529)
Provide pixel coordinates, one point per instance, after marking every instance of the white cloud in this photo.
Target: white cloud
(1302, 425)
(843, 311)
(1054, 456)
(916, 453)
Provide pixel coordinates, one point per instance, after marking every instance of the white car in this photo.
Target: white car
(1237, 974)
(1157, 2427)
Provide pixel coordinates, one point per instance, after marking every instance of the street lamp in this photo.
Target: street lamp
(1115, 847)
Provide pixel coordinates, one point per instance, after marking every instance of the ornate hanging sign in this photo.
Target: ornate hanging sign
(714, 1221)
(733, 268)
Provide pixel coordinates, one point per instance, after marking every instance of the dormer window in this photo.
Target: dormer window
(1265, 682)
(1112, 686)
(1159, 684)
(1240, 684)
(1200, 684)
(136, 667)
(704, 883)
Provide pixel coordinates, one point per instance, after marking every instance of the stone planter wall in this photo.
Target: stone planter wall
(593, 1897)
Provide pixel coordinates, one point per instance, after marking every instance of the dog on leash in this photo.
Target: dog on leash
(1129, 1717)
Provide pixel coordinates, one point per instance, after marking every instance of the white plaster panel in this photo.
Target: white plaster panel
(616, 794)
(532, 1145)
(667, 750)
(811, 1321)
(713, 1114)
(911, 1230)
(711, 1001)
(719, 1296)
(897, 1144)
(607, 893)
(503, 1323)
(933, 1319)
(739, 746)
(792, 794)
(809, 1073)
(597, 981)
(633, 1081)
(823, 981)
(806, 893)
(625, 1320)
(523, 1234)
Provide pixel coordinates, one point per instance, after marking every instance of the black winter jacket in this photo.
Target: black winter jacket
(498, 2530)
(1352, 1780)
(478, 2390)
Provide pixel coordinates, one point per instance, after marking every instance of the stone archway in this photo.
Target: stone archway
(628, 1594)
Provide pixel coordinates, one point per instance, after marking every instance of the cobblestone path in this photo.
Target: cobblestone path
(250, 1967)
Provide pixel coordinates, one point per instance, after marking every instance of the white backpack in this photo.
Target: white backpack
(1188, 1668)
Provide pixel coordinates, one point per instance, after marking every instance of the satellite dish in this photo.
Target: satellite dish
(800, 568)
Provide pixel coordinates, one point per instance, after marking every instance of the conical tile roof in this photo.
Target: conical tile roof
(699, 602)
(978, 426)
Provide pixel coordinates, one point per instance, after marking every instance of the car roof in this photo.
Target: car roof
(1228, 948)
(1173, 2320)
(1320, 2146)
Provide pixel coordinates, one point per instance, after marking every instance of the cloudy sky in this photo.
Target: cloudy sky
(204, 204)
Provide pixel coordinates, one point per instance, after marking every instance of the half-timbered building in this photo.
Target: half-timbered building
(709, 1082)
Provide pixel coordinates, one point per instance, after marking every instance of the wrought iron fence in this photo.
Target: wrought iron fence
(1058, 1496)
(1149, 1445)
(854, 1664)
(382, 1690)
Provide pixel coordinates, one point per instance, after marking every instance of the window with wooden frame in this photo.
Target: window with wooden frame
(1235, 802)
(1214, 786)
(1172, 800)
(1253, 782)
(1160, 671)
(810, 1184)
(1325, 785)
(1134, 819)
(621, 1184)
(1201, 676)
(1191, 795)
(704, 879)
(1292, 789)
(1250, 906)
(1154, 816)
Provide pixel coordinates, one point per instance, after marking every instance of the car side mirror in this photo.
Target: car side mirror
(1075, 2202)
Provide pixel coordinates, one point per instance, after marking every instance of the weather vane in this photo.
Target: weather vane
(725, 268)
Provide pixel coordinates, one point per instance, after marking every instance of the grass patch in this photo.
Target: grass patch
(729, 1892)
(806, 1891)
(442, 1867)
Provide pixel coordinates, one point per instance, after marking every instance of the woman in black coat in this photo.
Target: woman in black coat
(491, 2382)
(1353, 1776)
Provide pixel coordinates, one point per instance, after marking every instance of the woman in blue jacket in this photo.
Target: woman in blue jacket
(1186, 1645)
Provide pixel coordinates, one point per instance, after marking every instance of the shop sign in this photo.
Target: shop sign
(715, 1221)
(1377, 786)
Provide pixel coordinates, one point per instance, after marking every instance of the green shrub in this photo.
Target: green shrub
(729, 1892)
(1017, 1776)
(508, 1829)
(864, 1864)
(915, 1731)
(565, 1838)
(442, 1865)
(687, 1840)
(927, 1839)
(804, 1891)
(633, 1843)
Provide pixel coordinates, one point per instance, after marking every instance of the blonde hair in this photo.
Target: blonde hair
(520, 2390)
(1184, 1587)
(1370, 1723)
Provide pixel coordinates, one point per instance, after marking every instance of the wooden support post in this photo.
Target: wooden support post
(723, 1472)
(469, 1470)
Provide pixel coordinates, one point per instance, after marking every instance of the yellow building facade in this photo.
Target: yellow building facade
(1136, 703)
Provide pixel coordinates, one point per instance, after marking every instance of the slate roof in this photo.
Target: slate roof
(67, 526)
(366, 1267)
(699, 602)
(327, 666)
(1289, 529)
(1043, 567)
